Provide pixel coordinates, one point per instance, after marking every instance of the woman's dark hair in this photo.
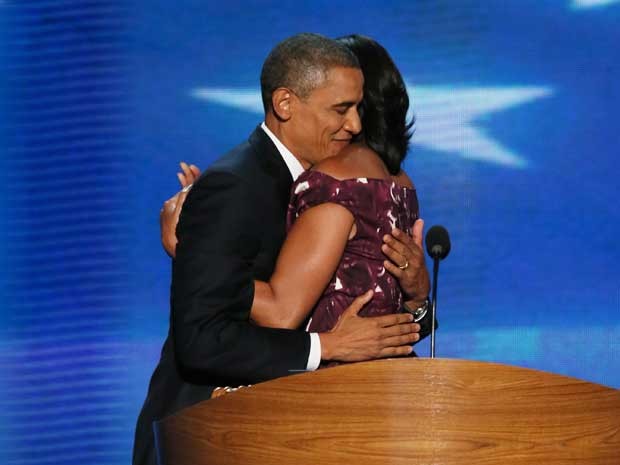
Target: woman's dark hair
(384, 108)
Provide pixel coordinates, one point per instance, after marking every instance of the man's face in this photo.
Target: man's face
(324, 122)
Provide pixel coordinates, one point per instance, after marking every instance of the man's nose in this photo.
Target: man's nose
(353, 123)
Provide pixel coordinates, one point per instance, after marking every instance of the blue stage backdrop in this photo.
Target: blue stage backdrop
(514, 152)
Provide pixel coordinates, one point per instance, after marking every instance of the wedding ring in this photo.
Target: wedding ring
(405, 266)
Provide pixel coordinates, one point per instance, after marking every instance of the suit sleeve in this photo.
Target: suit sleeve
(425, 325)
(213, 289)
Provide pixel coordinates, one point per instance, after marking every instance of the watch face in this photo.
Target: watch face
(420, 313)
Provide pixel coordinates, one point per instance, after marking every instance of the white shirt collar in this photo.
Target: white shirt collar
(292, 163)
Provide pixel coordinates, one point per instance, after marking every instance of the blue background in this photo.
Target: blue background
(515, 153)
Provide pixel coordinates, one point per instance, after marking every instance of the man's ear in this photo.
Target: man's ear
(281, 102)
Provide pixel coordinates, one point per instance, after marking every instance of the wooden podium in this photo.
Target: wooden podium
(402, 411)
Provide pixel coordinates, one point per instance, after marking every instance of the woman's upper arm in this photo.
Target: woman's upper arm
(309, 258)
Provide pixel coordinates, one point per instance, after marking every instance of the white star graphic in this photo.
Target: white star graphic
(445, 116)
(583, 4)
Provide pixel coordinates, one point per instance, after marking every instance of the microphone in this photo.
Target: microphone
(438, 248)
(438, 242)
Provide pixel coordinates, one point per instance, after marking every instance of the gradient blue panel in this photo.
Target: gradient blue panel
(65, 140)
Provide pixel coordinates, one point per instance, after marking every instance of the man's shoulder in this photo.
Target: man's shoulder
(251, 157)
(236, 161)
(248, 166)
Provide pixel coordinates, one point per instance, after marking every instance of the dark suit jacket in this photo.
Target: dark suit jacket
(230, 232)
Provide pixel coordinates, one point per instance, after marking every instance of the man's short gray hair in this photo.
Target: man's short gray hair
(301, 63)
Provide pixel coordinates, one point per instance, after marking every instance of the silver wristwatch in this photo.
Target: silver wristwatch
(419, 312)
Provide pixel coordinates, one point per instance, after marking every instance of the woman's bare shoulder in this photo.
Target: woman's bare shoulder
(360, 161)
(403, 179)
(354, 161)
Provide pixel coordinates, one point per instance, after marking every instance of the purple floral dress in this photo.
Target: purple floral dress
(378, 206)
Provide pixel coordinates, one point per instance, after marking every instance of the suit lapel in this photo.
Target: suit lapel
(273, 164)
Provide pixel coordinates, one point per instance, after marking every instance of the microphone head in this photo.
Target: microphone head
(438, 242)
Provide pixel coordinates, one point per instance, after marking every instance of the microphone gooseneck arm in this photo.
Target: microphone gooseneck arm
(434, 303)
(438, 247)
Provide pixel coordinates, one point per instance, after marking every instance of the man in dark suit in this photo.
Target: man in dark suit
(230, 232)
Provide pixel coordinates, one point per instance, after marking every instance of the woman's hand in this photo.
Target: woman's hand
(188, 175)
(406, 263)
(170, 211)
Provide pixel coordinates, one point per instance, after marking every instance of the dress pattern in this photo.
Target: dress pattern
(378, 206)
